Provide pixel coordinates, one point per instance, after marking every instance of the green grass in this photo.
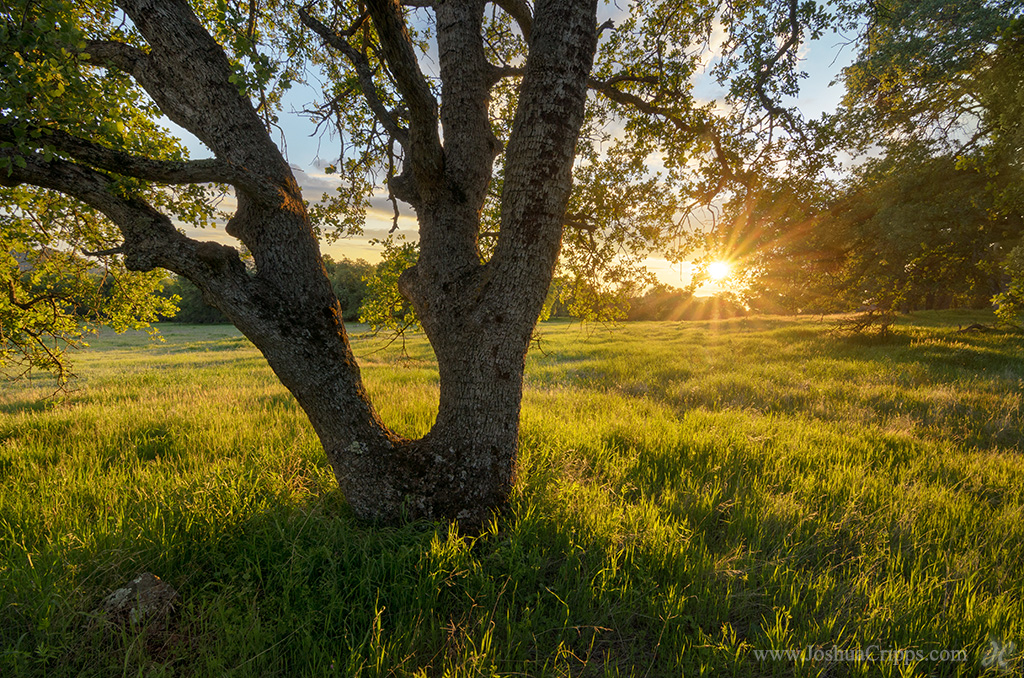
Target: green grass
(688, 495)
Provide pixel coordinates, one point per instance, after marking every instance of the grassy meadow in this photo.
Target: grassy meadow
(691, 496)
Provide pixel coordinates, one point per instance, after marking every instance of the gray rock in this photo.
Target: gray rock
(145, 601)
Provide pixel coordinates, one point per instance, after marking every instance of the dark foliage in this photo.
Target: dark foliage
(192, 308)
(349, 280)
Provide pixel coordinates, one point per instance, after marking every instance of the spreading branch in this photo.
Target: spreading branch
(150, 239)
(765, 72)
(28, 305)
(499, 72)
(609, 89)
(162, 171)
(706, 131)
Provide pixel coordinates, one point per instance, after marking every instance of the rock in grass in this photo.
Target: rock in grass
(144, 602)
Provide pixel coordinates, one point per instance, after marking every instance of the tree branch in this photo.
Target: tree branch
(425, 150)
(623, 77)
(364, 73)
(189, 77)
(761, 79)
(161, 171)
(150, 239)
(499, 72)
(27, 305)
(124, 57)
(791, 41)
(104, 253)
(521, 12)
(606, 87)
(579, 223)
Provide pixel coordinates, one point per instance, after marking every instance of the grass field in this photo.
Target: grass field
(690, 497)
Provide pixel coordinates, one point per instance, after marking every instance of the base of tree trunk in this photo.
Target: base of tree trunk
(424, 480)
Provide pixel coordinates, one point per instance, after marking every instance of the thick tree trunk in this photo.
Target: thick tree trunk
(464, 467)
(479, 317)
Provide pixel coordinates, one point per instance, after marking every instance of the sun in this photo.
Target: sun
(719, 270)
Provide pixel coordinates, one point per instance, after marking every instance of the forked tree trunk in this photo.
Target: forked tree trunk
(478, 317)
(464, 467)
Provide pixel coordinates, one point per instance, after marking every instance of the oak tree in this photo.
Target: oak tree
(519, 100)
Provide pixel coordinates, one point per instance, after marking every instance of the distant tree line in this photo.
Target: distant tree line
(663, 302)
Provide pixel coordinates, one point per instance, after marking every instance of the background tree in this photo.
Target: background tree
(384, 307)
(349, 282)
(663, 302)
(927, 203)
(920, 71)
(1003, 96)
(905, 231)
(924, 234)
(785, 261)
(1010, 303)
(928, 91)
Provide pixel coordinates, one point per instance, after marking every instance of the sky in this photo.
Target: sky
(308, 153)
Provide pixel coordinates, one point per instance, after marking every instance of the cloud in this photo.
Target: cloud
(318, 182)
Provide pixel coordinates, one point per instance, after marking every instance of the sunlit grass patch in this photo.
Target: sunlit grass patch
(689, 494)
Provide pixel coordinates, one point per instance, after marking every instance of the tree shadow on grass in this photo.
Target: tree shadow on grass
(34, 405)
(937, 350)
(203, 346)
(577, 577)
